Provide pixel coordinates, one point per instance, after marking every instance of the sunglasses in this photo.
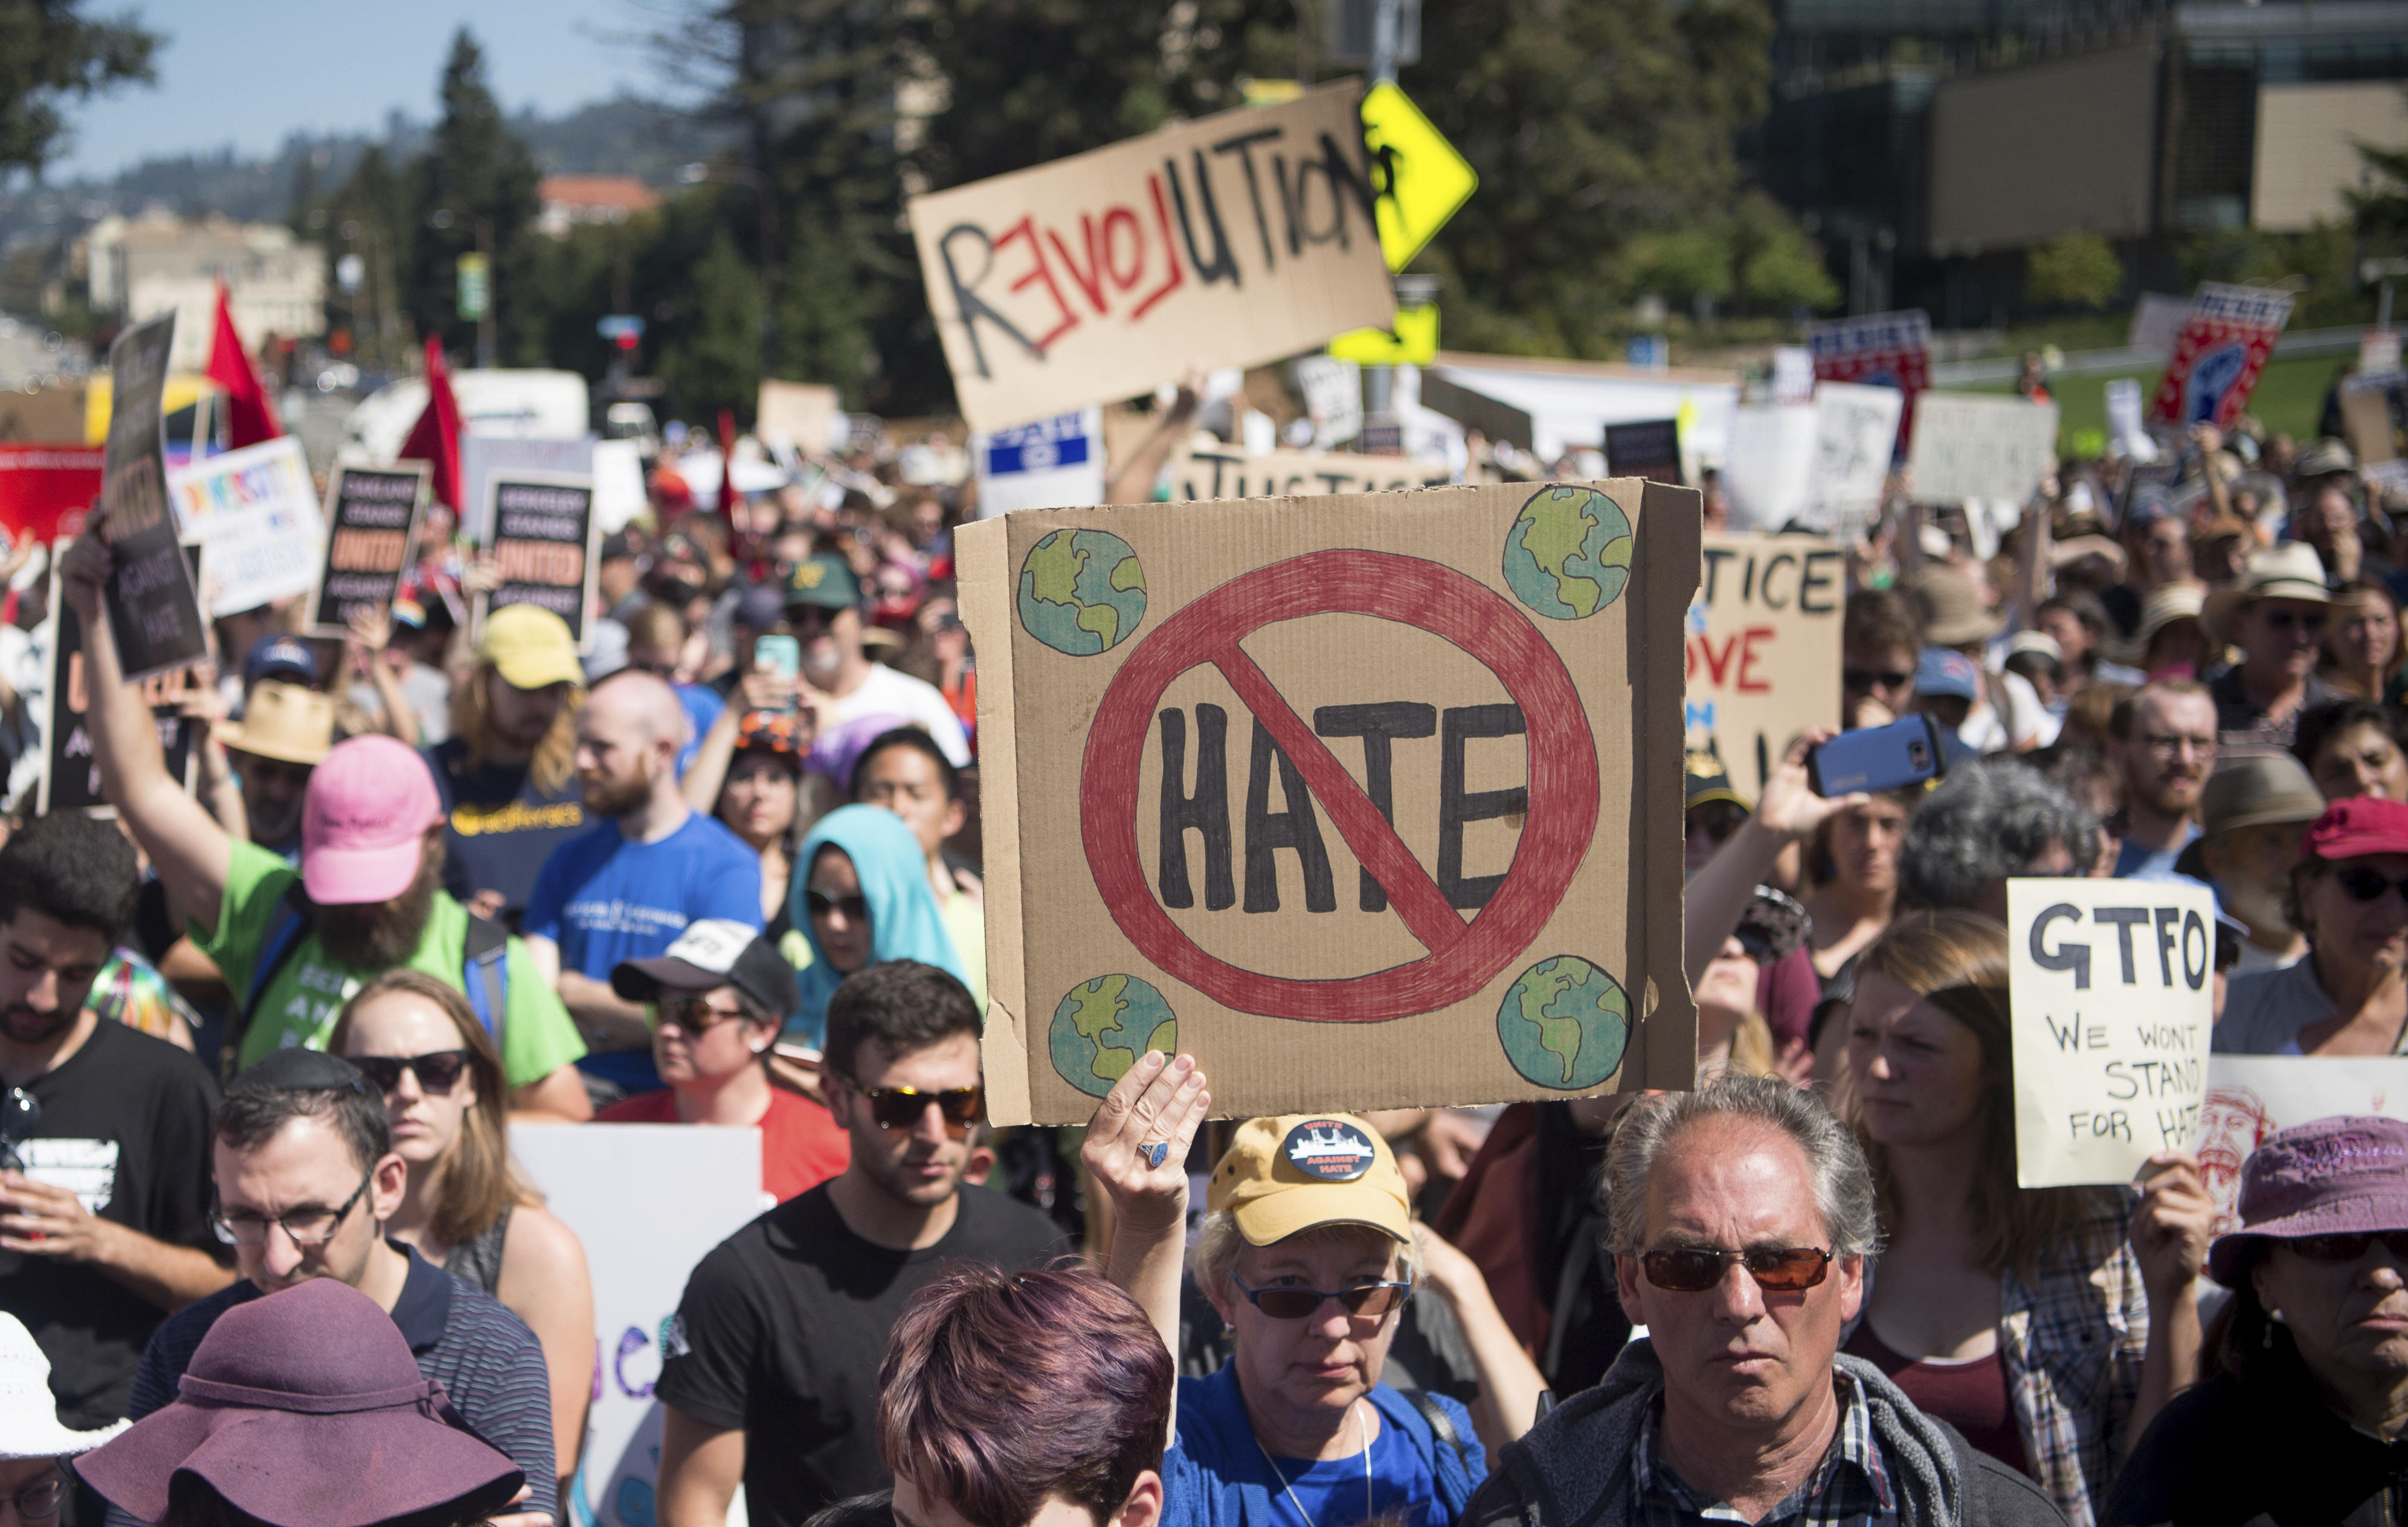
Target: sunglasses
(1364, 1302)
(903, 1107)
(695, 1015)
(438, 1072)
(2366, 886)
(2351, 1246)
(1695, 1269)
(2283, 620)
(820, 904)
(1868, 678)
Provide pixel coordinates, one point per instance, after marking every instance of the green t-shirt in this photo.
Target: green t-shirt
(303, 997)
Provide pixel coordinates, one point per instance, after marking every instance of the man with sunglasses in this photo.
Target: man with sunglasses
(2276, 616)
(1740, 1218)
(824, 613)
(718, 997)
(1881, 638)
(306, 1179)
(770, 1375)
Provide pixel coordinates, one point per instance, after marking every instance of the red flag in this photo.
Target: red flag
(251, 418)
(728, 466)
(436, 437)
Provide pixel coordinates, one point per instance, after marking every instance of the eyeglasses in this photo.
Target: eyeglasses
(438, 1072)
(39, 1501)
(19, 1113)
(903, 1107)
(1364, 1301)
(820, 904)
(310, 1227)
(1695, 1269)
(2350, 1246)
(2366, 886)
(695, 1015)
(1868, 678)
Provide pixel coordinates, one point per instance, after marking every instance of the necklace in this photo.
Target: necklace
(1281, 1476)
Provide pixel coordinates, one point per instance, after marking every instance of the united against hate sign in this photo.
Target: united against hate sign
(1366, 799)
(1232, 240)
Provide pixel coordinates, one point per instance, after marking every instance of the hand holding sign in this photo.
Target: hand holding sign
(2173, 1224)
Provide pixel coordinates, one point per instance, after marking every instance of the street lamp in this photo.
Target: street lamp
(764, 198)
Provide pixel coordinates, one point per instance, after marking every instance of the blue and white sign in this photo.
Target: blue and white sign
(1055, 463)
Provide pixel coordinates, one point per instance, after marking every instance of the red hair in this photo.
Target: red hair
(1001, 1391)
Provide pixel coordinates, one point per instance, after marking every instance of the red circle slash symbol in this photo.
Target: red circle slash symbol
(1463, 958)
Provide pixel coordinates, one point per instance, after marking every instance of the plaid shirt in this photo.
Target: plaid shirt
(1849, 1488)
(2072, 1337)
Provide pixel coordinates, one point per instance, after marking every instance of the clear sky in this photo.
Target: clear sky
(251, 71)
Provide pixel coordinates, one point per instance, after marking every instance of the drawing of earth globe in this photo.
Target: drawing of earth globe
(1082, 592)
(1102, 1027)
(1564, 1024)
(1567, 554)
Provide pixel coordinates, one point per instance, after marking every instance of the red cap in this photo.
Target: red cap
(2357, 824)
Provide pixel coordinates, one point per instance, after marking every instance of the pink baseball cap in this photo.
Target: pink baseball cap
(370, 802)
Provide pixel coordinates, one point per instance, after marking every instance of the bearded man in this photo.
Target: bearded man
(2161, 741)
(294, 945)
(104, 1134)
(626, 888)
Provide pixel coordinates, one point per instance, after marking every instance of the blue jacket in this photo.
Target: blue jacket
(1215, 1475)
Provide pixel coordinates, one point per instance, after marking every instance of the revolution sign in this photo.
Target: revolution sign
(1232, 240)
(1374, 806)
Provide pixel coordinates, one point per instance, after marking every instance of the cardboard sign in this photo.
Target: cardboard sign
(2250, 1097)
(256, 512)
(799, 413)
(2112, 983)
(1879, 350)
(153, 612)
(649, 1202)
(1971, 446)
(1650, 448)
(1856, 429)
(1763, 650)
(2371, 403)
(47, 490)
(1377, 804)
(371, 523)
(1233, 241)
(2218, 355)
(70, 778)
(548, 545)
(54, 415)
(1295, 474)
(1055, 463)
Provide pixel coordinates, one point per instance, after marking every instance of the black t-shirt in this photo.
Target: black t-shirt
(125, 1123)
(501, 827)
(782, 1327)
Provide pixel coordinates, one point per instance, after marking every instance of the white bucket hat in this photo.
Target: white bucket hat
(29, 1415)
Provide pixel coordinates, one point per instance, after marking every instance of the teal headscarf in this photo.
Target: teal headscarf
(904, 922)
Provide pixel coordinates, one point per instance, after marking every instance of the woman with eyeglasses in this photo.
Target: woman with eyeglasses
(718, 997)
(861, 898)
(2047, 1325)
(2348, 896)
(466, 1207)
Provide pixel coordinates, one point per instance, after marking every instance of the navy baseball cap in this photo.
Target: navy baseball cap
(277, 656)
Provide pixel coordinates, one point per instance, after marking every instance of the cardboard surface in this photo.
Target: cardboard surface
(1294, 474)
(256, 514)
(154, 613)
(799, 413)
(1763, 650)
(48, 489)
(1200, 722)
(372, 523)
(1972, 446)
(2113, 988)
(548, 544)
(2218, 355)
(2250, 1097)
(54, 415)
(1235, 239)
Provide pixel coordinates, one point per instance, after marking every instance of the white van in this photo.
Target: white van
(529, 403)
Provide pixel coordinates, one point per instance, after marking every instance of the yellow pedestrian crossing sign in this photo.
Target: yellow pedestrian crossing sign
(1420, 178)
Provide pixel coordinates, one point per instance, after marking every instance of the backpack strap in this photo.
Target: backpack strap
(485, 974)
(1441, 1424)
(286, 927)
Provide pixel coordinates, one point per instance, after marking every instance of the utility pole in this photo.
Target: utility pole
(485, 357)
(1379, 381)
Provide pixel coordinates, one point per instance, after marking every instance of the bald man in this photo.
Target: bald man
(626, 889)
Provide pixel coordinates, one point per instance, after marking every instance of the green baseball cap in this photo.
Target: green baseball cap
(825, 581)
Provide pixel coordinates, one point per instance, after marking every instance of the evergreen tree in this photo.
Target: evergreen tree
(475, 183)
(49, 53)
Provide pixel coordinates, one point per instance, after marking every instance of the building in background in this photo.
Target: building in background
(571, 200)
(139, 267)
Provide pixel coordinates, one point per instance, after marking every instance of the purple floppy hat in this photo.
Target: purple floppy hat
(306, 1410)
(2330, 1176)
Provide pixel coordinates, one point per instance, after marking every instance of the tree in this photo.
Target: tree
(713, 361)
(49, 53)
(474, 187)
(2076, 269)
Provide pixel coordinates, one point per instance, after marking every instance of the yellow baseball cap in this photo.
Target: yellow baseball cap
(530, 647)
(1284, 1175)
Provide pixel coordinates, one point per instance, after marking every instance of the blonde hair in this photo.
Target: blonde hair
(481, 1182)
(1213, 1259)
(554, 758)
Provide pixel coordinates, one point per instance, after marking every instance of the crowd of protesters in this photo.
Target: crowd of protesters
(266, 1256)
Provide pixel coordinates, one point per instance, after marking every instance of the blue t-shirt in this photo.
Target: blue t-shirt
(2138, 861)
(1214, 1462)
(702, 707)
(1332, 1490)
(603, 898)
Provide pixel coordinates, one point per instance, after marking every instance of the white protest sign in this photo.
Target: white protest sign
(2250, 1097)
(649, 1202)
(1333, 398)
(1055, 463)
(484, 457)
(2157, 321)
(1768, 463)
(1793, 373)
(1968, 446)
(2124, 429)
(1856, 431)
(2111, 983)
(255, 511)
